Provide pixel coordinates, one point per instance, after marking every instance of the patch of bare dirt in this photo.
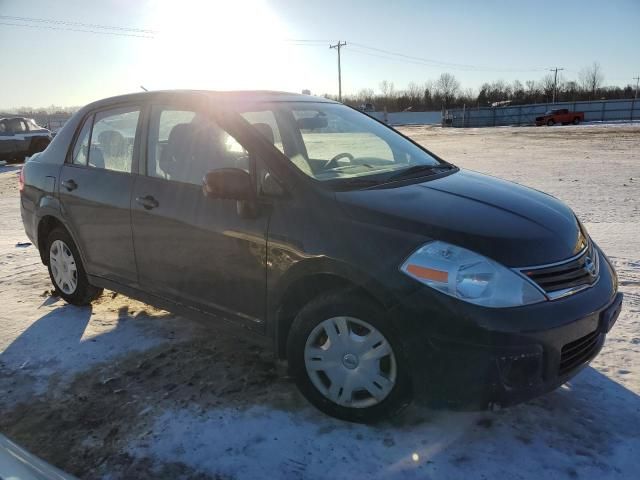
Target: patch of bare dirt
(84, 430)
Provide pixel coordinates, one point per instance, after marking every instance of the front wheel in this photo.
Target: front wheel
(550, 123)
(66, 270)
(576, 121)
(346, 359)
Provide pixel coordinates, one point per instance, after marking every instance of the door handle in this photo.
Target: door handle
(69, 184)
(147, 202)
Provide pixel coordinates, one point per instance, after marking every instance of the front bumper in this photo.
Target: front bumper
(465, 356)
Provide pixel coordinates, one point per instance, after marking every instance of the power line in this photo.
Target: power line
(302, 40)
(118, 34)
(77, 24)
(459, 66)
(338, 46)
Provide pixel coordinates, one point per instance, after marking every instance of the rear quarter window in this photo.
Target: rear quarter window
(80, 152)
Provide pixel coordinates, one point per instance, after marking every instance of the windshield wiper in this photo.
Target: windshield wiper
(348, 167)
(416, 170)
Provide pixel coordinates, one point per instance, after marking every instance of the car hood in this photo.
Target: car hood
(507, 222)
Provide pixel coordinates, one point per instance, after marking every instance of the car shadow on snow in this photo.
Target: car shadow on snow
(70, 339)
(217, 400)
(28, 362)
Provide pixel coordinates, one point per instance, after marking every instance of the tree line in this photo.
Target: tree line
(447, 92)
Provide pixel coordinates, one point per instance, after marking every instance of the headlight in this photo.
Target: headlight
(469, 276)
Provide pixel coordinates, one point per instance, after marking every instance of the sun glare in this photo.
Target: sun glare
(220, 45)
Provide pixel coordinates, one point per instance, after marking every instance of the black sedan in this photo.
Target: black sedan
(380, 271)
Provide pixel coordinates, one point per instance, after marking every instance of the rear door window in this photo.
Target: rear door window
(113, 138)
(17, 125)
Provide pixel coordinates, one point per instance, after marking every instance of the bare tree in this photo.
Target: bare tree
(591, 78)
(365, 95)
(547, 84)
(531, 87)
(387, 89)
(415, 93)
(447, 87)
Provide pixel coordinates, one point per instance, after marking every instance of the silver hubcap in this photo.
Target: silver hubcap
(350, 362)
(63, 267)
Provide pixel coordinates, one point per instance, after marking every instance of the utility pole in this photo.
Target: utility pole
(555, 82)
(637, 79)
(338, 46)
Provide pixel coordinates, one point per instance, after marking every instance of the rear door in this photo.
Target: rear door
(20, 138)
(193, 249)
(95, 191)
(7, 141)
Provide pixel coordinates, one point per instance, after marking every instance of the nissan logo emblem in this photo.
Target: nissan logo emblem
(590, 266)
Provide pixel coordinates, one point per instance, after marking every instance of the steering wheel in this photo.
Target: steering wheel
(334, 161)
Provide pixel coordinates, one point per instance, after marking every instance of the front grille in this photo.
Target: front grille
(577, 352)
(579, 271)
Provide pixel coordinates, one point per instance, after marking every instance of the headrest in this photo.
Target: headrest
(179, 145)
(112, 143)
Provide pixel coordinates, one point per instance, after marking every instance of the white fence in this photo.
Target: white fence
(595, 110)
(409, 118)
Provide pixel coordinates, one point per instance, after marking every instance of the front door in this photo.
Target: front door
(95, 192)
(193, 249)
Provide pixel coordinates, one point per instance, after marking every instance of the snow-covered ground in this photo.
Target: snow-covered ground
(123, 390)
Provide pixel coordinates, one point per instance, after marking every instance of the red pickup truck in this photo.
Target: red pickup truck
(561, 115)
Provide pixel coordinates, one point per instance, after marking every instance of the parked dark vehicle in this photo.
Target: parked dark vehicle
(21, 137)
(560, 115)
(381, 272)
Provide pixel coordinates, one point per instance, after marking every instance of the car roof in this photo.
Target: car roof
(237, 96)
(14, 118)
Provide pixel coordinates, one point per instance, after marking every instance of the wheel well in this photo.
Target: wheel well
(301, 293)
(47, 223)
(37, 143)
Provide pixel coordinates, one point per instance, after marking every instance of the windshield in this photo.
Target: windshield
(330, 141)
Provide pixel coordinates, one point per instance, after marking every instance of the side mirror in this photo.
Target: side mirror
(228, 183)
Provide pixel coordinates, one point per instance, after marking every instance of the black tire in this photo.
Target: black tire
(550, 123)
(576, 120)
(84, 292)
(335, 304)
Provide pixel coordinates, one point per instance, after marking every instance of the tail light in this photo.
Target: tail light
(21, 179)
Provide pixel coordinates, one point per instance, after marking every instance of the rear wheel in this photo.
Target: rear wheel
(66, 270)
(550, 123)
(576, 120)
(346, 359)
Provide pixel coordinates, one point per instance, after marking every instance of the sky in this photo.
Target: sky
(284, 44)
